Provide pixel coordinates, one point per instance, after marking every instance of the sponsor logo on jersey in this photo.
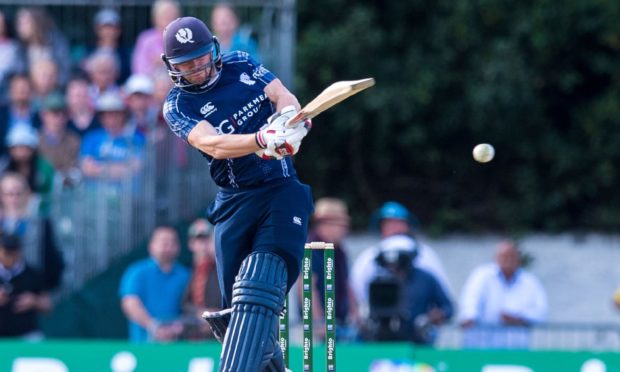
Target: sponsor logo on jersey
(246, 79)
(259, 72)
(208, 109)
(242, 115)
(297, 220)
(184, 35)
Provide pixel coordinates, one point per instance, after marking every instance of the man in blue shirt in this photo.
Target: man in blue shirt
(236, 112)
(152, 290)
(112, 152)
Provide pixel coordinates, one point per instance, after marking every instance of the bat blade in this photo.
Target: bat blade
(332, 95)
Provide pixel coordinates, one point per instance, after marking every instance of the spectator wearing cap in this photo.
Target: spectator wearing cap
(108, 31)
(330, 223)
(146, 58)
(394, 219)
(24, 158)
(111, 153)
(19, 110)
(57, 143)
(22, 293)
(80, 106)
(139, 97)
(19, 216)
(204, 289)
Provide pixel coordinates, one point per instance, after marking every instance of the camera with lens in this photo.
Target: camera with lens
(389, 318)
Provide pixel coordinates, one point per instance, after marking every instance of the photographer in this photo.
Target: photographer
(405, 303)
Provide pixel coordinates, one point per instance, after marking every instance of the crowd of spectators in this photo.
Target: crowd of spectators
(81, 115)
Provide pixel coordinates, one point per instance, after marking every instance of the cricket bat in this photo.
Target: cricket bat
(332, 95)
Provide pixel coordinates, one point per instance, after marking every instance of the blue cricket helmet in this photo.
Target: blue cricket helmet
(394, 210)
(185, 39)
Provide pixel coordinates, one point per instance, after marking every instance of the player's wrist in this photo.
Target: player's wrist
(289, 110)
(260, 140)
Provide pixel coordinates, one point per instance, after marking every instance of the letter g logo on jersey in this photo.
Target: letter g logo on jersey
(208, 109)
(184, 35)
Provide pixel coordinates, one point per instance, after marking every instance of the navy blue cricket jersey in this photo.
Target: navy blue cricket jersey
(236, 104)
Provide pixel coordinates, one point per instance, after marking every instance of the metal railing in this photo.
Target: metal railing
(547, 336)
(97, 222)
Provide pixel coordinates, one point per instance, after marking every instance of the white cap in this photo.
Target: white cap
(399, 243)
(22, 135)
(110, 101)
(139, 83)
(392, 248)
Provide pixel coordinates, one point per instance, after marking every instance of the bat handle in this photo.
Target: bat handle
(295, 119)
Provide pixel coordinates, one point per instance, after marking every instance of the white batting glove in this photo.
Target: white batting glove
(280, 143)
(278, 120)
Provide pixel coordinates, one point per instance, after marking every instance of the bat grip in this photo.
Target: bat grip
(295, 119)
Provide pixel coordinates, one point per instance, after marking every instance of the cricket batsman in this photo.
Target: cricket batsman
(233, 110)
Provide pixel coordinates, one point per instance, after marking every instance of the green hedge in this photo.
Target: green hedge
(540, 80)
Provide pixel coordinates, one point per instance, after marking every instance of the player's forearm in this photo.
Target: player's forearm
(227, 145)
(280, 95)
(286, 99)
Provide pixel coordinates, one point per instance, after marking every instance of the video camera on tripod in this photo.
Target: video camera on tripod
(389, 317)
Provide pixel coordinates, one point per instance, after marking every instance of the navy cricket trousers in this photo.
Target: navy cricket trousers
(267, 218)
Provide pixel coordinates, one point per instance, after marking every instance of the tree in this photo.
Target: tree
(537, 79)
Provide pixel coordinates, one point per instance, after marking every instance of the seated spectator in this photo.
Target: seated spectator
(103, 71)
(80, 106)
(110, 153)
(108, 38)
(500, 301)
(24, 158)
(141, 110)
(225, 25)
(57, 143)
(330, 223)
(19, 110)
(40, 39)
(22, 293)
(8, 51)
(146, 57)
(44, 78)
(19, 217)
(396, 220)
(204, 289)
(152, 290)
(404, 303)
